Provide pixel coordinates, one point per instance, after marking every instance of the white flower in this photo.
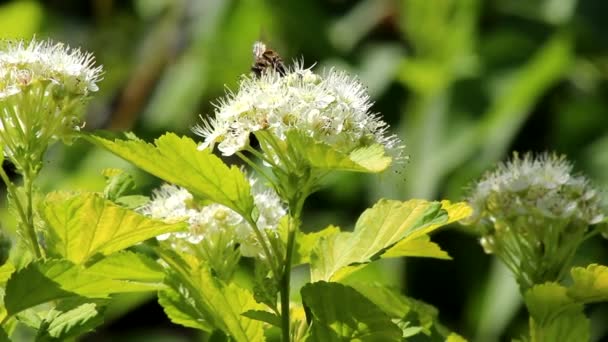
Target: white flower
(332, 108)
(53, 62)
(43, 88)
(214, 222)
(530, 185)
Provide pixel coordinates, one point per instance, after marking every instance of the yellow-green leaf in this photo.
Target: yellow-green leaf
(377, 230)
(82, 225)
(590, 283)
(421, 246)
(178, 161)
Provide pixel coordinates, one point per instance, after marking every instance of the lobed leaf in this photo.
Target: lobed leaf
(339, 313)
(305, 243)
(48, 280)
(61, 326)
(83, 225)
(590, 283)
(371, 159)
(127, 265)
(195, 298)
(378, 229)
(178, 161)
(422, 246)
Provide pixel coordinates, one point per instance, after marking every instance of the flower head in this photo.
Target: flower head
(543, 185)
(533, 213)
(332, 108)
(70, 69)
(43, 89)
(214, 227)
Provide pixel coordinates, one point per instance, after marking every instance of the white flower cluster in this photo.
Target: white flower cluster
(332, 108)
(542, 185)
(172, 204)
(24, 63)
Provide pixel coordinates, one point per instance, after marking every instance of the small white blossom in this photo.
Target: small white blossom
(533, 213)
(332, 108)
(43, 89)
(531, 185)
(51, 62)
(172, 204)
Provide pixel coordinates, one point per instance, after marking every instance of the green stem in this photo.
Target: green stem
(28, 184)
(26, 216)
(285, 281)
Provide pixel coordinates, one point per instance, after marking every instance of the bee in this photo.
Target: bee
(265, 59)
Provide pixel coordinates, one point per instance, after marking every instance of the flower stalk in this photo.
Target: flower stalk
(43, 89)
(534, 213)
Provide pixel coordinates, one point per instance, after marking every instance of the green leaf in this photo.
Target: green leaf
(544, 300)
(72, 323)
(453, 337)
(590, 284)
(83, 225)
(554, 315)
(322, 156)
(306, 242)
(126, 265)
(264, 316)
(181, 309)
(377, 230)
(178, 161)
(44, 281)
(197, 299)
(5, 272)
(416, 313)
(421, 246)
(411, 315)
(118, 183)
(339, 313)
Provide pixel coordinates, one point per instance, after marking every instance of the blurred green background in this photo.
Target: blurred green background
(462, 82)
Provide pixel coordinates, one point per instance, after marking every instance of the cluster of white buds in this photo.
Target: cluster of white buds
(43, 87)
(216, 233)
(533, 213)
(332, 108)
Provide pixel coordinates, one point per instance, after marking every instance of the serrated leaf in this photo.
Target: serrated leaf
(118, 183)
(264, 316)
(84, 225)
(181, 310)
(413, 316)
(305, 242)
(126, 265)
(377, 230)
(197, 299)
(178, 161)
(318, 155)
(339, 313)
(5, 272)
(590, 283)
(421, 246)
(71, 323)
(554, 315)
(43, 281)
(544, 300)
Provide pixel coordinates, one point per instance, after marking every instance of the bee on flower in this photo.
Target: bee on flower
(332, 108)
